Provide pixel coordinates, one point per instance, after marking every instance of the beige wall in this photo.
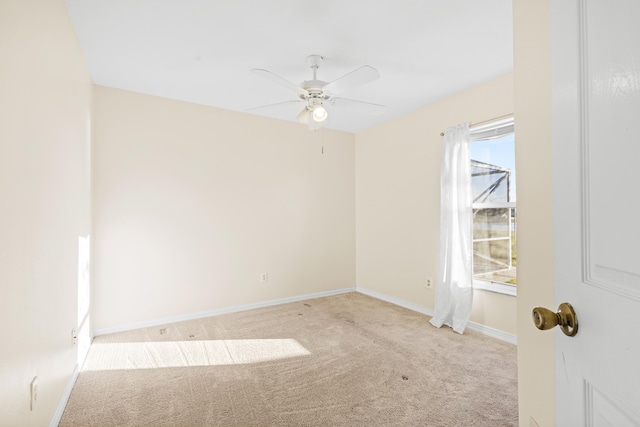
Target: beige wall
(45, 114)
(532, 70)
(398, 195)
(193, 203)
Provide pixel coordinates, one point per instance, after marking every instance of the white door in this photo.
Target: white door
(596, 204)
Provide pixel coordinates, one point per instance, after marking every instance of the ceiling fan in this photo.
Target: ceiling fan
(316, 94)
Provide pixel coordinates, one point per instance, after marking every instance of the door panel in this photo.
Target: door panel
(596, 203)
(611, 70)
(601, 411)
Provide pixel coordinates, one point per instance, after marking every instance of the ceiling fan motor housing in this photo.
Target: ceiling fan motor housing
(314, 90)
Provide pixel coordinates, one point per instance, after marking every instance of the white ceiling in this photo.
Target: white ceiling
(202, 51)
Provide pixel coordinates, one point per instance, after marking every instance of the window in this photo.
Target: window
(493, 189)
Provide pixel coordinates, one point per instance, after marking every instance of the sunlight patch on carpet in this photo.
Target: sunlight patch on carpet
(175, 354)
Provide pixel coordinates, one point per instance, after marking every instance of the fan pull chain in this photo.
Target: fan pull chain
(321, 133)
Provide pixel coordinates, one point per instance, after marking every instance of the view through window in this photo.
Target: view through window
(493, 188)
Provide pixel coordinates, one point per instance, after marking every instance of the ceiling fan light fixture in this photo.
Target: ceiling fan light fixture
(304, 115)
(319, 113)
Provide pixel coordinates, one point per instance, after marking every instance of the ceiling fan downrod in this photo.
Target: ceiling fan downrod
(315, 94)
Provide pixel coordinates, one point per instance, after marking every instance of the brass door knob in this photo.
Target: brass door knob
(566, 317)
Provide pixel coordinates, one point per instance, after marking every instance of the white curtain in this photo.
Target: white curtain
(454, 294)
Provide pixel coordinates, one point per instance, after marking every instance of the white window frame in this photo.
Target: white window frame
(483, 132)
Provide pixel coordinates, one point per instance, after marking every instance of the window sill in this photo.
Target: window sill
(499, 288)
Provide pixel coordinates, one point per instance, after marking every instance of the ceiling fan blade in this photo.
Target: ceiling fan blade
(277, 104)
(358, 106)
(280, 80)
(357, 77)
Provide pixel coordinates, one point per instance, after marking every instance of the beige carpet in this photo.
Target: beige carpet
(345, 360)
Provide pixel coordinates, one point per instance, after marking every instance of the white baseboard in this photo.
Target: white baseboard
(57, 416)
(494, 333)
(397, 301)
(216, 312)
(485, 330)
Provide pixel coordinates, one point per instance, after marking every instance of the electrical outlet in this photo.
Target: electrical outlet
(429, 284)
(74, 336)
(264, 277)
(34, 393)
